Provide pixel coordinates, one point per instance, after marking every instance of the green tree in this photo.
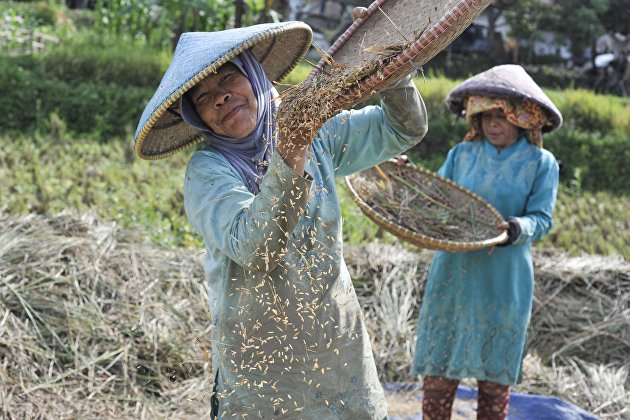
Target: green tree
(616, 16)
(580, 21)
(161, 22)
(526, 22)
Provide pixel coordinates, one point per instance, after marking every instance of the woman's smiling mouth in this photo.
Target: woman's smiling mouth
(232, 113)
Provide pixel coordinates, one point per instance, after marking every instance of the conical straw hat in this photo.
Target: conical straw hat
(279, 47)
(509, 81)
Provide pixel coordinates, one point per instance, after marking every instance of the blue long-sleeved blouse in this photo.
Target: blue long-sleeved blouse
(476, 308)
(288, 336)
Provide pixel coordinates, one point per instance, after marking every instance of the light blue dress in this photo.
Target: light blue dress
(288, 336)
(476, 308)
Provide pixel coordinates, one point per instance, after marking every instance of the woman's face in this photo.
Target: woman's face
(225, 101)
(497, 129)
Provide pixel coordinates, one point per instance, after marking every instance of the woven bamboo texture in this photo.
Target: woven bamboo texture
(425, 209)
(423, 27)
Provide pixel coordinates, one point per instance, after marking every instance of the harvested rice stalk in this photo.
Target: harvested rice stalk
(308, 105)
(418, 202)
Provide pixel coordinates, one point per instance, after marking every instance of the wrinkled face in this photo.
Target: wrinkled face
(497, 129)
(225, 101)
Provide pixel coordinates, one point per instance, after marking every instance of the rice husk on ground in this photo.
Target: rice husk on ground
(95, 324)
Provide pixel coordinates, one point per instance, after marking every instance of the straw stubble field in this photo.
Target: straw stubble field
(95, 325)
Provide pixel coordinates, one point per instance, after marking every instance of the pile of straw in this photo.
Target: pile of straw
(582, 309)
(389, 282)
(579, 336)
(95, 324)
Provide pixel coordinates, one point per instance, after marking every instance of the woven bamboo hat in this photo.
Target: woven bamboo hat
(508, 81)
(417, 29)
(278, 47)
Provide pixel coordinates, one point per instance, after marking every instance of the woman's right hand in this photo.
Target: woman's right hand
(294, 135)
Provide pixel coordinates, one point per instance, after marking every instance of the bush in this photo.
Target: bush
(592, 112)
(105, 60)
(102, 110)
(591, 161)
(30, 14)
(17, 104)
(98, 87)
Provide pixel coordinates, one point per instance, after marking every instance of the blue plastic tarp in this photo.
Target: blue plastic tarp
(522, 406)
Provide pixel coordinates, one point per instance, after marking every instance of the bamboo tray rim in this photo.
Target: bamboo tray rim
(425, 46)
(419, 239)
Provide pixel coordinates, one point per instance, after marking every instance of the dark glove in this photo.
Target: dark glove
(514, 231)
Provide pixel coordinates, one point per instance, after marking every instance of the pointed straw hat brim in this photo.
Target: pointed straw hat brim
(508, 81)
(278, 47)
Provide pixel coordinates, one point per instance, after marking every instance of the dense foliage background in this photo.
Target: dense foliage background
(72, 108)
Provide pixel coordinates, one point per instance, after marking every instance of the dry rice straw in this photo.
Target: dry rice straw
(307, 105)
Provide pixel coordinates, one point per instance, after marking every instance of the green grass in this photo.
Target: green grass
(591, 223)
(53, 172)
(54, 166)
(46, 175)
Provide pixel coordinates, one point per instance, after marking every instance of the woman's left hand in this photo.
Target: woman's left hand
(358, 13)
(297, 134)
(513, 230)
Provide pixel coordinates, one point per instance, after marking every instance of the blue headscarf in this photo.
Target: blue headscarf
(249, 155)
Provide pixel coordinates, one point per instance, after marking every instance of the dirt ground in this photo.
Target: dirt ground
(409, 405)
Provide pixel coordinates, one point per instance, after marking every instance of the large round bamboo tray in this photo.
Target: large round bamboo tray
(425, 209)
(394, 39)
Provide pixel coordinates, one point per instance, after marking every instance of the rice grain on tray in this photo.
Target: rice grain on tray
(423, 208)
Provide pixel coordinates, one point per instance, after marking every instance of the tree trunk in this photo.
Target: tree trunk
(239, 11)
(177, 32)
(262, 18)
(282, 7)
(494, 13)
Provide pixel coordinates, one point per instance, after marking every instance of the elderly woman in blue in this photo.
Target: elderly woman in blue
(288, 338)
(477, 305)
